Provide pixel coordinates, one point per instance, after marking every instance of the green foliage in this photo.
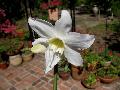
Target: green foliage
(26, 51)
(114, 25)
(92, 58)
(110, 71)
(79, 2)
(9, 45)
(90, 80)
(116, 7)
(105, 55)
(4, 46)
(13, 44)
(116, 61)
(26, 36)
(63, 65)
(64, 68)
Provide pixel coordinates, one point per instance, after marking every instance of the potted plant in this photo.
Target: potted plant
(90, 81)
(3, 57)
(107, 74)
(15, 45)
(63, 68)
(107, 57)
(27, 55)
(91, 61)
(115, 61)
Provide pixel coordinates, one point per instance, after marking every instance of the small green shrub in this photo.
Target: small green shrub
(110, 71)
(90, 80)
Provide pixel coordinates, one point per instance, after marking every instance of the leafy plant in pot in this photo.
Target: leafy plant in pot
(107, 74)
(3, 57)
(63, 68)
(107, 57)
(27, 55)
(90, 81)
(91, 61)
(15, 45)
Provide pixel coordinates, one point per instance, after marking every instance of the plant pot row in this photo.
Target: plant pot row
(80, 74)
(18, 59)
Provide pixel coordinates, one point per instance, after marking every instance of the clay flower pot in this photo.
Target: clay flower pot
(27, 57)
(76, 72)
(107, 79)
(4, 65)
(53, 14)
(93, 86)
(15, 60)
(64, 75)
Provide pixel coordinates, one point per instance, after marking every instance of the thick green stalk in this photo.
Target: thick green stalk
(55, 81)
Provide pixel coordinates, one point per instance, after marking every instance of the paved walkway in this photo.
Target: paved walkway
(30, 76)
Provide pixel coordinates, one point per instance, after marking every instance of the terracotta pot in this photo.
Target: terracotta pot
(3, 65)
(29, 44)
(53, 14)
(93, 86)
(20, 34)
(76, 72)
(64, 75)
(15, 60)
(27, 57)
(107, 79)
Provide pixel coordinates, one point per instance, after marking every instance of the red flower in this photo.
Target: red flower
(44, 6)
(53, 3)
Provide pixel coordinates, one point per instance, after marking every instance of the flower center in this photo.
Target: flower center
(57, 42)
(56, 45)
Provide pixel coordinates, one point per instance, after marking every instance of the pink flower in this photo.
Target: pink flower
(7, 27)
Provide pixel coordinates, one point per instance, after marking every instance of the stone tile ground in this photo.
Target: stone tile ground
(30, 76)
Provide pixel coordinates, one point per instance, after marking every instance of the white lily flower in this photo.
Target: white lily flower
(60, 40)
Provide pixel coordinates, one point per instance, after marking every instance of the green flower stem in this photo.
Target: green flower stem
(55, 81)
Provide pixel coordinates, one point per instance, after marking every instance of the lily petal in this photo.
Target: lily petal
(73, 57)
(38, 48)
(52, 58)
(40, 40)
(41, 27)
(64, 24)
(81, 41)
